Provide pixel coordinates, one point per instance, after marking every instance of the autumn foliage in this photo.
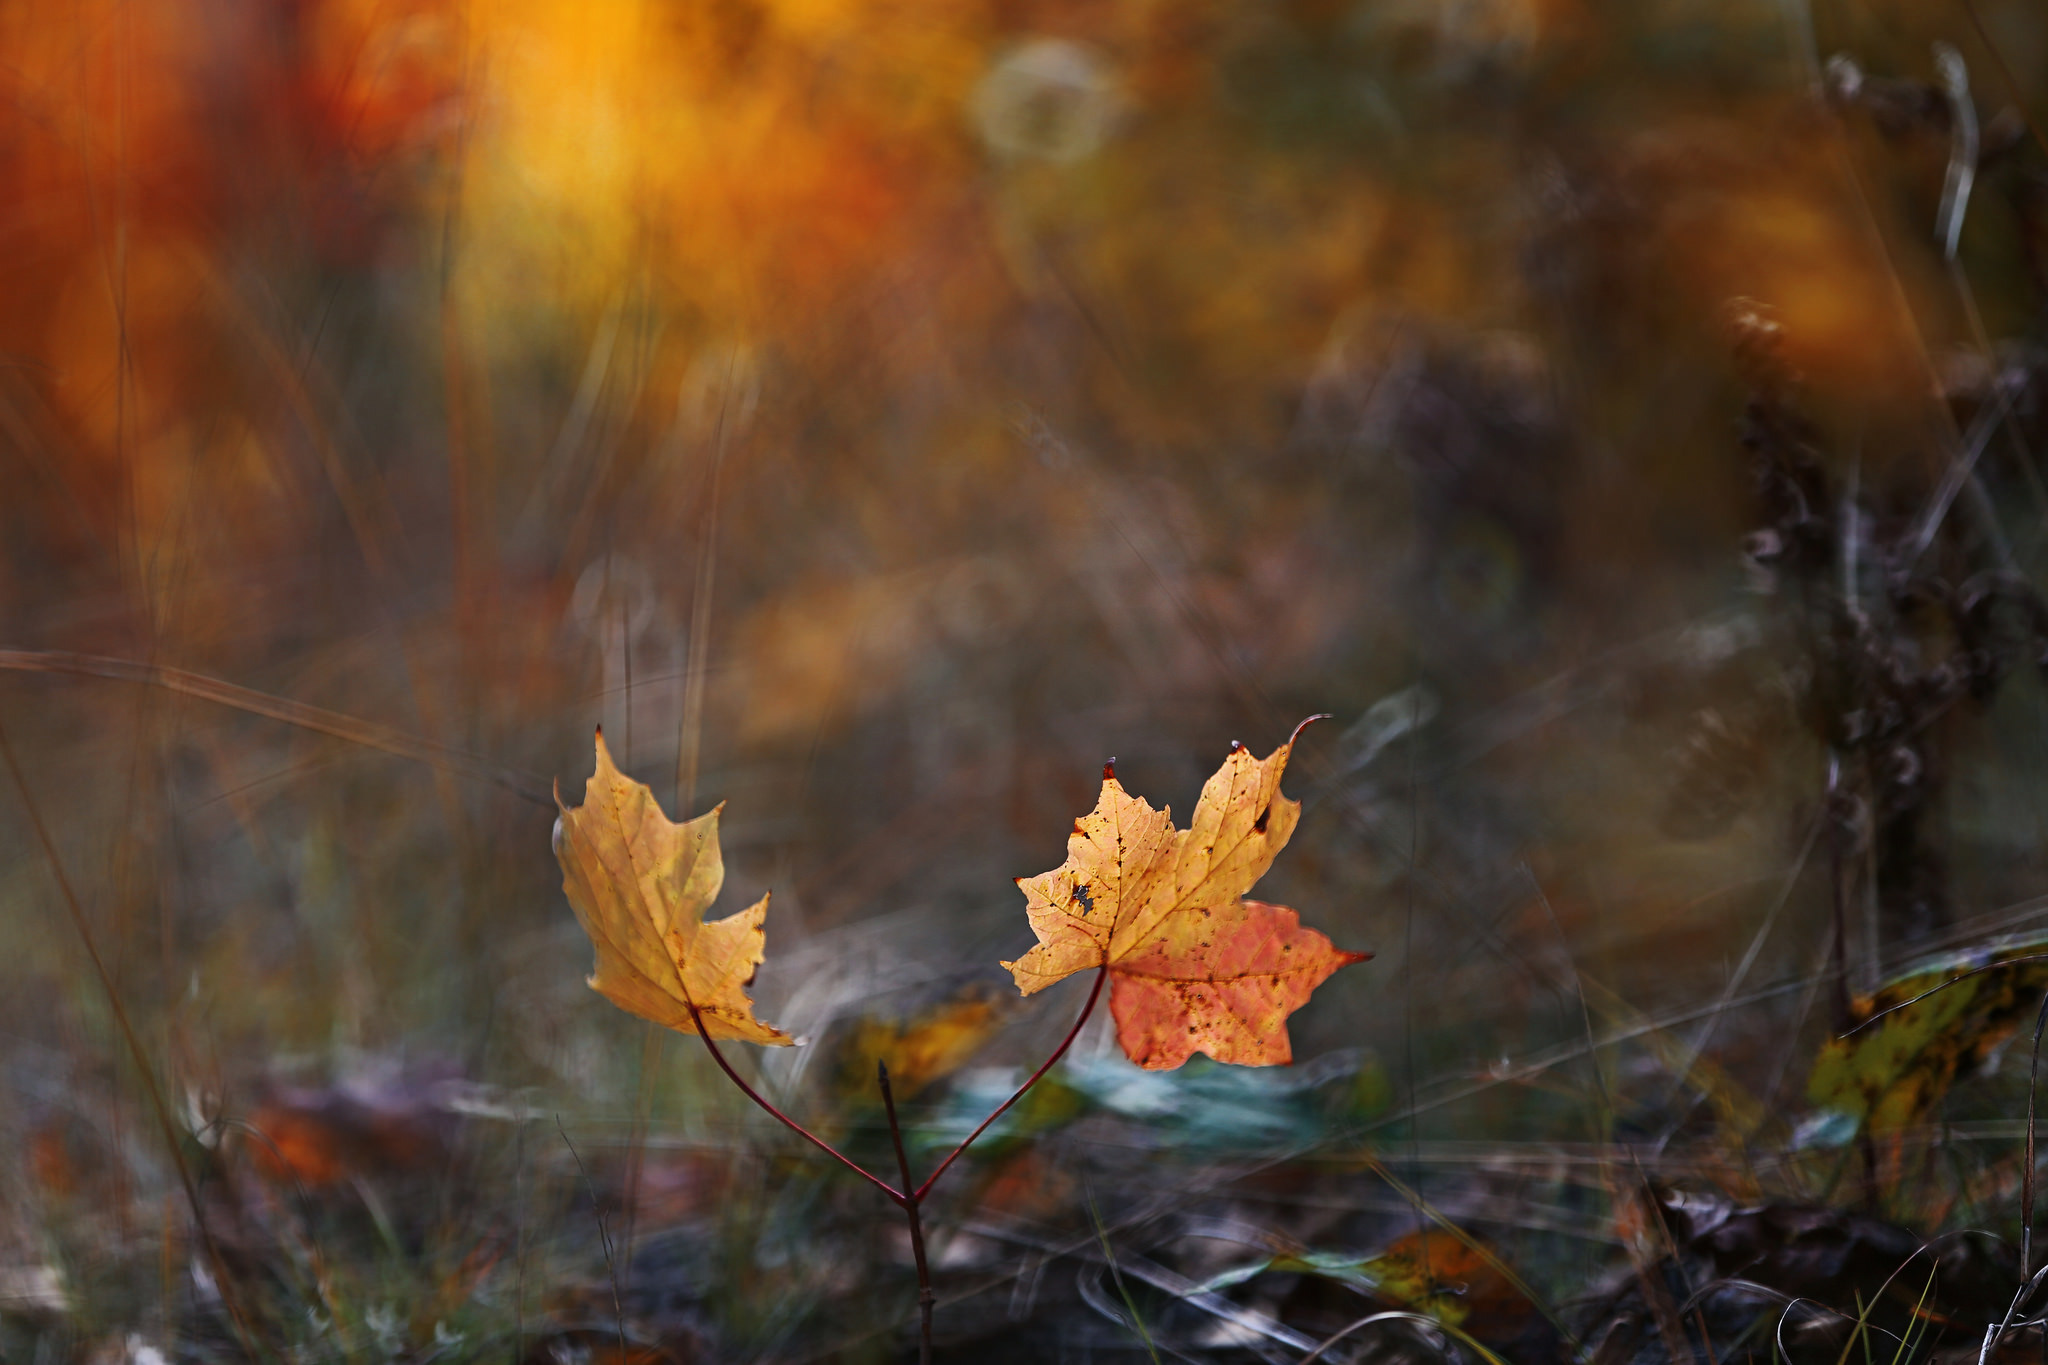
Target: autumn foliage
(1628, 420)
(640, 884)
(1193, 966)
(1160, 912)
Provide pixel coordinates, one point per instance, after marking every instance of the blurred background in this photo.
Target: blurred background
(1623, 419)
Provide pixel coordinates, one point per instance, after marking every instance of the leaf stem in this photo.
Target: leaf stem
(907, 1199)
(1101, 975)
(925, 1297)
(785, 1120)
(897, 1196)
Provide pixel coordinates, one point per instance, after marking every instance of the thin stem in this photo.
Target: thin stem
(604, 1237)
(1101, 975)
(785, 1120)
(1838, 875)
(1136, 1320)
(925, 1297)
(145, 1070)
(1428, 1324)
(1958, 979)
(895, 1195)
(1838, 807)
(907, 1199)
(2027, 1171)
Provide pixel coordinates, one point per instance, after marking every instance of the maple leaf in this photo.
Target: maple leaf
(640, 884)
(1193, 966)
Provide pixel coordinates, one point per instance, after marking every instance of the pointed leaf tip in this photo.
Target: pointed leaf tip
(1109, 771)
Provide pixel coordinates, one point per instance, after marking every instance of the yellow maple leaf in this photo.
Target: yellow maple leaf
(1193, 966)
(640, 884)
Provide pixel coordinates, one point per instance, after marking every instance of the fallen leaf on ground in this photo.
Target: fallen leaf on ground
(920, 1050)
(1436, 1273)
(640, 884)
(1429, 1272)
(1892, 1073)
(1193, 966)
(351, 1130)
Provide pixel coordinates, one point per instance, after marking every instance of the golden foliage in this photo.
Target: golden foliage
(640, 884)
(1193, 966)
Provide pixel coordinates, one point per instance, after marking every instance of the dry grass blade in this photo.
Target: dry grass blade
(369, 734)
(1428, 1324)
(145, 1068)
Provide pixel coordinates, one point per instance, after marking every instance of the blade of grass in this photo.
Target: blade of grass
(2027, 1170)
(368, 734)
(1419, 1319)
(1479, 1249)
(604, 1238)
(159, 1107)
(1137, 1322)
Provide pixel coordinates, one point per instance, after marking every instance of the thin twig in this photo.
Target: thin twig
(895, 1195)
(604, 1238)
(369, 734)
(909, 1204)
(2027, 1172)
(1101, 975)
(1838, 875)
(1840, 814)
(519, 1213)
(907, 1198)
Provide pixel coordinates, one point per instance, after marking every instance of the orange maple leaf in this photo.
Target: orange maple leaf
(1193, 966)
(640, 884)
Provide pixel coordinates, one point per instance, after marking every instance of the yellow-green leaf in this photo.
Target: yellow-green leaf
(1940, 1021)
